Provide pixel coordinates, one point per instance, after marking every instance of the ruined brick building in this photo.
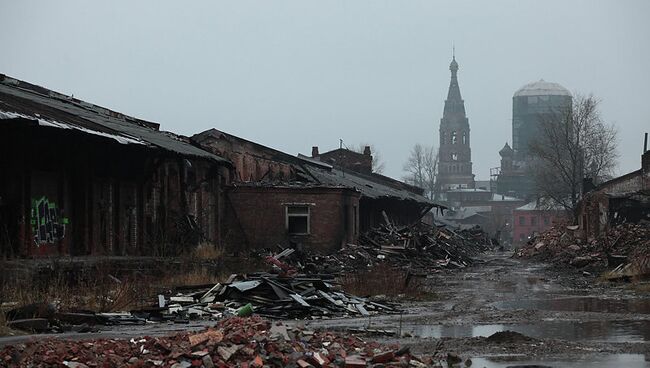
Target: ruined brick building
(625, 199)
(77, 179)
(279, 199)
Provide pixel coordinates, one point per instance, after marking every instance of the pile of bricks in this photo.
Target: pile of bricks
(620, 245)
(242, 342)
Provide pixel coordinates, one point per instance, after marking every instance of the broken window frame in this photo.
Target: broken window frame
(297, 212)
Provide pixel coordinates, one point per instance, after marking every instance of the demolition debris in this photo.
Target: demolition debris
(624, 249)
(417, 249)
(302, 286)
(242, 342)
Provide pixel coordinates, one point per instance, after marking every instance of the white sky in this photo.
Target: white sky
(292, 74)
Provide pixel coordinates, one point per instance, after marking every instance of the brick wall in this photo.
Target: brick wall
(261, 214)
(252, 161)
(526, 223)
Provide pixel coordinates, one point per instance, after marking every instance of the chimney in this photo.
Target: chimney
(366, 151)
(314, 151)
(645, 164)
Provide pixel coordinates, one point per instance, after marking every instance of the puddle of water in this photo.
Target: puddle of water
(581, 304)
(605, 361)
(609, 331)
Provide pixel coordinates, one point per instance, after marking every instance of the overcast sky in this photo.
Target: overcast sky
(293, 74)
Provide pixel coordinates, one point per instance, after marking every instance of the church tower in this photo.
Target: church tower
(455, 155)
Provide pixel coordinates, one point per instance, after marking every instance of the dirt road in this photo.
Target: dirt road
(564, 319)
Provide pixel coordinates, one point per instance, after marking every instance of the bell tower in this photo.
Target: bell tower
(454, 155)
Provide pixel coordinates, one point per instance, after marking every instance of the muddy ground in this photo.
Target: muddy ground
(563, 318)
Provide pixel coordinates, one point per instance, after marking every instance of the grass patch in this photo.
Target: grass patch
(206, 252)
(104, 285)
(388, 281)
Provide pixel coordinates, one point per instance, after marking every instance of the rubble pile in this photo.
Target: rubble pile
(623, 246)
(50, 318)
(417, 248)
(272, 296)
(243, 342)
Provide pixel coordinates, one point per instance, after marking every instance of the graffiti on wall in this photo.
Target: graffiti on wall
(48, 224)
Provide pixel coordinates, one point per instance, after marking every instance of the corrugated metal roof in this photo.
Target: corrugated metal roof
(22, 100)
(369, 188)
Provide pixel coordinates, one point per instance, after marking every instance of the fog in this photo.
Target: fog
(294, 74)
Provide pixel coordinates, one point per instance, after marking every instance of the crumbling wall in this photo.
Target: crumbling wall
(252, 162)
(348, 159)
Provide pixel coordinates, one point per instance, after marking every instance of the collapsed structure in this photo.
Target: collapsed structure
(625, 199)
(613, 229)
(78, 179)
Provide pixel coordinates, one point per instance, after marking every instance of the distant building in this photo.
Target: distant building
(534, 218)
(493, 212)
(531, 104)
(455, 155)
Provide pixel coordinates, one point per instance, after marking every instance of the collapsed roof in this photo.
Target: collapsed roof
(25, 103)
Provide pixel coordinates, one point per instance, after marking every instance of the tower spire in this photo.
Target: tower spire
(454, 90)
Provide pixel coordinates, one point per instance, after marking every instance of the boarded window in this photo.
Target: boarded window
(298, 219)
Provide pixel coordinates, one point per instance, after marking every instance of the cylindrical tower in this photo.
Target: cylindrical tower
(530, 105)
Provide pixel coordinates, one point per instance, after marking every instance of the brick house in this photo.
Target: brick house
(273, 200)
(280, 199)
(533, 218)
(79, 179)
(622, 199)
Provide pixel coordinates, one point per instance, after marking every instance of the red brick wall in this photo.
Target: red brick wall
(521, 232)
(252, 161)
(262, 217)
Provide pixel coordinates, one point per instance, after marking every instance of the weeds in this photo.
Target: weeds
(206, 252)
(385, 280)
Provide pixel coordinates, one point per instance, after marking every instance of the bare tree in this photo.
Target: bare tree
(378, 164)
(572, 143)
(421, 168)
